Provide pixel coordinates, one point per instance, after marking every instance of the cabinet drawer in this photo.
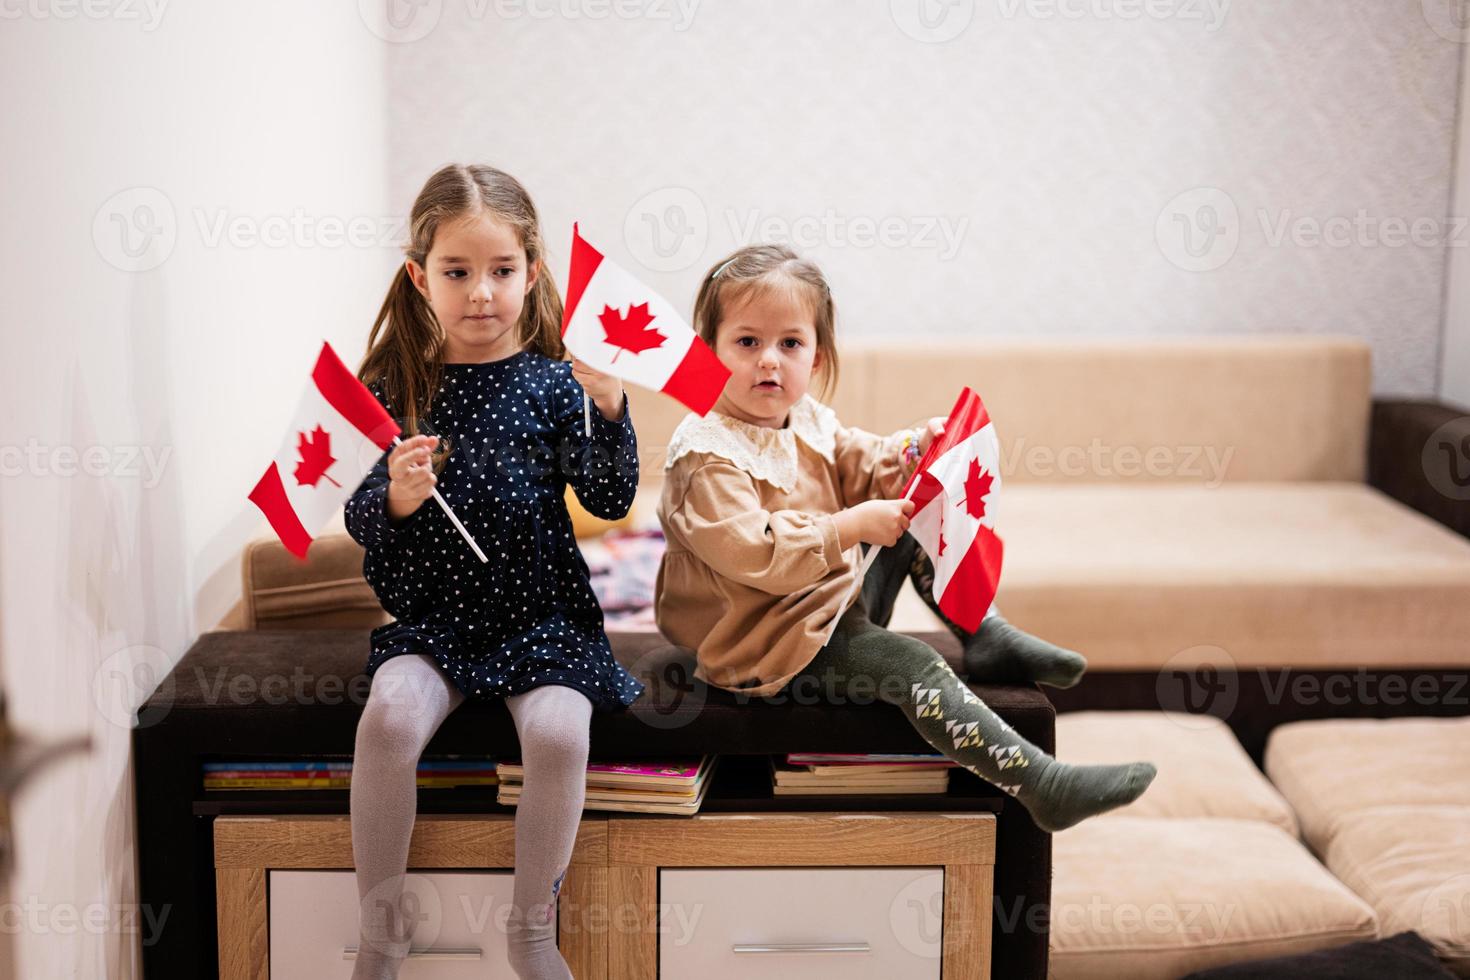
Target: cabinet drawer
(459, 935)
(800, 923)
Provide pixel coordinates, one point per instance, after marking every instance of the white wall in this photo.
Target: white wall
(1454, 378)
(1054, 148)
(243, 109)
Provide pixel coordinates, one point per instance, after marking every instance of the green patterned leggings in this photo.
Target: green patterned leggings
(863, 659)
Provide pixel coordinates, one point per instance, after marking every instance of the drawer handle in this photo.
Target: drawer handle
(801, 948)
(427, 953)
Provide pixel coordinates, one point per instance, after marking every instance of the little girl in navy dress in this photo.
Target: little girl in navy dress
(466, 352)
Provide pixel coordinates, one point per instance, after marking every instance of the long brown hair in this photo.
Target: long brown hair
(406, 346)
(763, 268)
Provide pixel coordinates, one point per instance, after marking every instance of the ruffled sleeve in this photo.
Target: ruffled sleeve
(603, 470)
(721, 521)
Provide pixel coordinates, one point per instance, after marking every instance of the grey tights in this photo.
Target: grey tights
(409, 700)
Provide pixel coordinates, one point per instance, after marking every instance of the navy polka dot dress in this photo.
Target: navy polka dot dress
(529, 616)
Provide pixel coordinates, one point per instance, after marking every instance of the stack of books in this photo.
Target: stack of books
(869, 774)
(337, 774)
(672, 786)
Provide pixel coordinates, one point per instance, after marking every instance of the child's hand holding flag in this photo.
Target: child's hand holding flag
(617, 325)
(335, 439)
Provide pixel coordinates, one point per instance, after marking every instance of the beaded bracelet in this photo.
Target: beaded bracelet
(909, 451)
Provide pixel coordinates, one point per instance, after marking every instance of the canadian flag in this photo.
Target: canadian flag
(621, 327)
(337, 435)
(954, 491)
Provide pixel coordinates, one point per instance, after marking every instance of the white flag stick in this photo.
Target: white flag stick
(444, 506)
(587, 415)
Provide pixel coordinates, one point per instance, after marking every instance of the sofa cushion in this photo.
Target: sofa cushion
(1152, 898)
(324, 590)
(1272, 408)
(1403, 957)
(1331, 769)
(1203, 771)
(1328, 575)
(1269, 408)
(1412, 864)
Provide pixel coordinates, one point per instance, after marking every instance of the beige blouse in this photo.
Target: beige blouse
(753, 576)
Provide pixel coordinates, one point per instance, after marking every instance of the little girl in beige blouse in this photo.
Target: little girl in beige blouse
(766, 502)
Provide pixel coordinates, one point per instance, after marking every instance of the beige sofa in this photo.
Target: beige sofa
(1386, 804)
(1165, 502)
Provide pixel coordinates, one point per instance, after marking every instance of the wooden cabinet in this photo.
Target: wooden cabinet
(719, 896)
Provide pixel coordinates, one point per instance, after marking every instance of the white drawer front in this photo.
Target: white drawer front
(459, 932)
(800, 924)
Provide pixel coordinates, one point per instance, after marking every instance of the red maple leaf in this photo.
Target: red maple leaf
(316, 457)
(942, 544)
(977, 485)
(630, 332)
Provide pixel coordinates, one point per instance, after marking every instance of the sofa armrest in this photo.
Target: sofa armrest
(1419, 454)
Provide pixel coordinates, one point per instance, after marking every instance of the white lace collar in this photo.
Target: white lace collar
(766, 454)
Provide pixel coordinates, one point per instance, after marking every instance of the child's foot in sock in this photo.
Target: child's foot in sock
(998, 652)
(1063, 795)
